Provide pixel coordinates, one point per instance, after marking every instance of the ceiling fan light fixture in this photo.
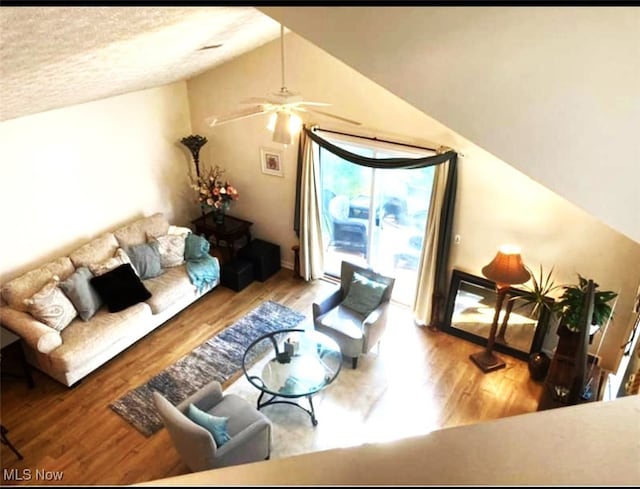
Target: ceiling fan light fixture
(284, 125)
(295, 124)
(281, 133)
(271, 125)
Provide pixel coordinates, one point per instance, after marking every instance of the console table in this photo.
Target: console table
(231, 230)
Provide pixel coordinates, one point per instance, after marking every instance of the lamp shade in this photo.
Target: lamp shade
(281, 133)
(507, 267)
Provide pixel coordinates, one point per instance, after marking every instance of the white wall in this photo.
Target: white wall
(553, 91)
(72, 173)
(497, 204)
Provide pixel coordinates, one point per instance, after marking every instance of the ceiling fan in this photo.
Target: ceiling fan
(283, 104)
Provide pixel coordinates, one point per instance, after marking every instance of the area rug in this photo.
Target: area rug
(218, 358)
(377, 402)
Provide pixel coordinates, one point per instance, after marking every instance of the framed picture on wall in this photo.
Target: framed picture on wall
(271, 161)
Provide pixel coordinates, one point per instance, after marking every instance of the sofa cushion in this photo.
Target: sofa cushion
(82, 341)
(195, 247)
(171, 286)
(96, 250)
(120, 288)
(171, 249)
(50, 306)
(136, 232)
(120, 257)
(145, 259)
(20, 288)
(81, 293)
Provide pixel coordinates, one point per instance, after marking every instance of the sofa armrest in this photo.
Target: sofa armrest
(205, 398)
(37, 335)
(327, 304)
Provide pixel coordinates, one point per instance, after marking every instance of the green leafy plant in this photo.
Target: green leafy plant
(539, 293)
(571, 301)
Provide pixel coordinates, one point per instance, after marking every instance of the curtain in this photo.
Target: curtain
(425, 298)
(308, 212)
(308, 225)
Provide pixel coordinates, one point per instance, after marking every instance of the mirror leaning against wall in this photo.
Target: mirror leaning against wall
(471, 307)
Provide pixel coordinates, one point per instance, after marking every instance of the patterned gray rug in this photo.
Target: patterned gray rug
(218, 358)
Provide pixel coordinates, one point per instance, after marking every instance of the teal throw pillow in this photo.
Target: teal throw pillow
(364, 294)
(81, 293)
(217, 425)
(195, 247)
(145, 259)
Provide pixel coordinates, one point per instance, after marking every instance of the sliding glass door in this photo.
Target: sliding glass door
(375, 217)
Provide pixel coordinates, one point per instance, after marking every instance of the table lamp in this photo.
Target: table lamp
(505, 269)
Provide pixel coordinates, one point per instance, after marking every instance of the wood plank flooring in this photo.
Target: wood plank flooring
(74, 431)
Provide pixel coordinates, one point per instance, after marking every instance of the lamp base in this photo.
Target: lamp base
(487, 361)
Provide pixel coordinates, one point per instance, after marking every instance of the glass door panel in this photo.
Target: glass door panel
(346, 195)
(403, 205)
(375, 217)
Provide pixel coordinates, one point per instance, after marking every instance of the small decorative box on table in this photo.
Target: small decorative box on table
(264, 256)
(237, 274)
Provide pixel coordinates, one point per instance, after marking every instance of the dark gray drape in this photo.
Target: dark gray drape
(446, 218)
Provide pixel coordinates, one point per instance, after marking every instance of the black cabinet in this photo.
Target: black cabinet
(264, 256)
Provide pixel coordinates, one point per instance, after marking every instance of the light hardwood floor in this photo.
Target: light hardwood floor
(73, 430)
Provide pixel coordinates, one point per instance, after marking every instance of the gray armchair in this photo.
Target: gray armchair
(249, 429)
(355, 333)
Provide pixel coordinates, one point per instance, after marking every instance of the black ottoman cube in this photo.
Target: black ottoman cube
(237, 274)
(264, 256)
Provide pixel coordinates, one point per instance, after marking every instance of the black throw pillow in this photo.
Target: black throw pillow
(120, 288)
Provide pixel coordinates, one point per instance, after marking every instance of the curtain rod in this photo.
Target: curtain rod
(376, 139)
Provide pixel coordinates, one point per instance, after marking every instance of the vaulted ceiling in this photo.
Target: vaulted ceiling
(554, 92)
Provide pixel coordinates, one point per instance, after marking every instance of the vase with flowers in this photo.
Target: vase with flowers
(214, 193)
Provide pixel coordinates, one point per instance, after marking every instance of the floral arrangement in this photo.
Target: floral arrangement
(213, 191)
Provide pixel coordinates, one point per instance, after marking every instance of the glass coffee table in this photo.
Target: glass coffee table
(303, 363)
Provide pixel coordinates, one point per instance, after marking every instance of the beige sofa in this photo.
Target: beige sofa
(83, 346)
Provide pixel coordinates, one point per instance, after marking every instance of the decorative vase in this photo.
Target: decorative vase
(218, 215)
(538, 365)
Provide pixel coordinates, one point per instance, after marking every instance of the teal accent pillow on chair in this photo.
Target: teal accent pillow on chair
(364, 294)
(217, 425)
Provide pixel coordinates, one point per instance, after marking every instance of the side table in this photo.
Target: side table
(231, 230)
(7, 339)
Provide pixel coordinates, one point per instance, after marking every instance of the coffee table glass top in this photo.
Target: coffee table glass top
(302, 362)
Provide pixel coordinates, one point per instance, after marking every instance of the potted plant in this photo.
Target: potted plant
(570, 306)
(539, 295)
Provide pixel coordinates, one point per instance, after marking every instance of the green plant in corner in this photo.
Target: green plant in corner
(571, 300)
(539, 293)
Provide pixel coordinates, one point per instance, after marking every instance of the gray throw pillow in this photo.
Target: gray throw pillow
(145, 259)
(81, 293)
(364, 294)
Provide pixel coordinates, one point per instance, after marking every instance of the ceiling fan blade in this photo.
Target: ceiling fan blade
(255, 100)
(317, 104)
(242, 114)
(350, 121)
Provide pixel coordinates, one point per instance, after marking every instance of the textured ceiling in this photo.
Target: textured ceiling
(53, 57)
